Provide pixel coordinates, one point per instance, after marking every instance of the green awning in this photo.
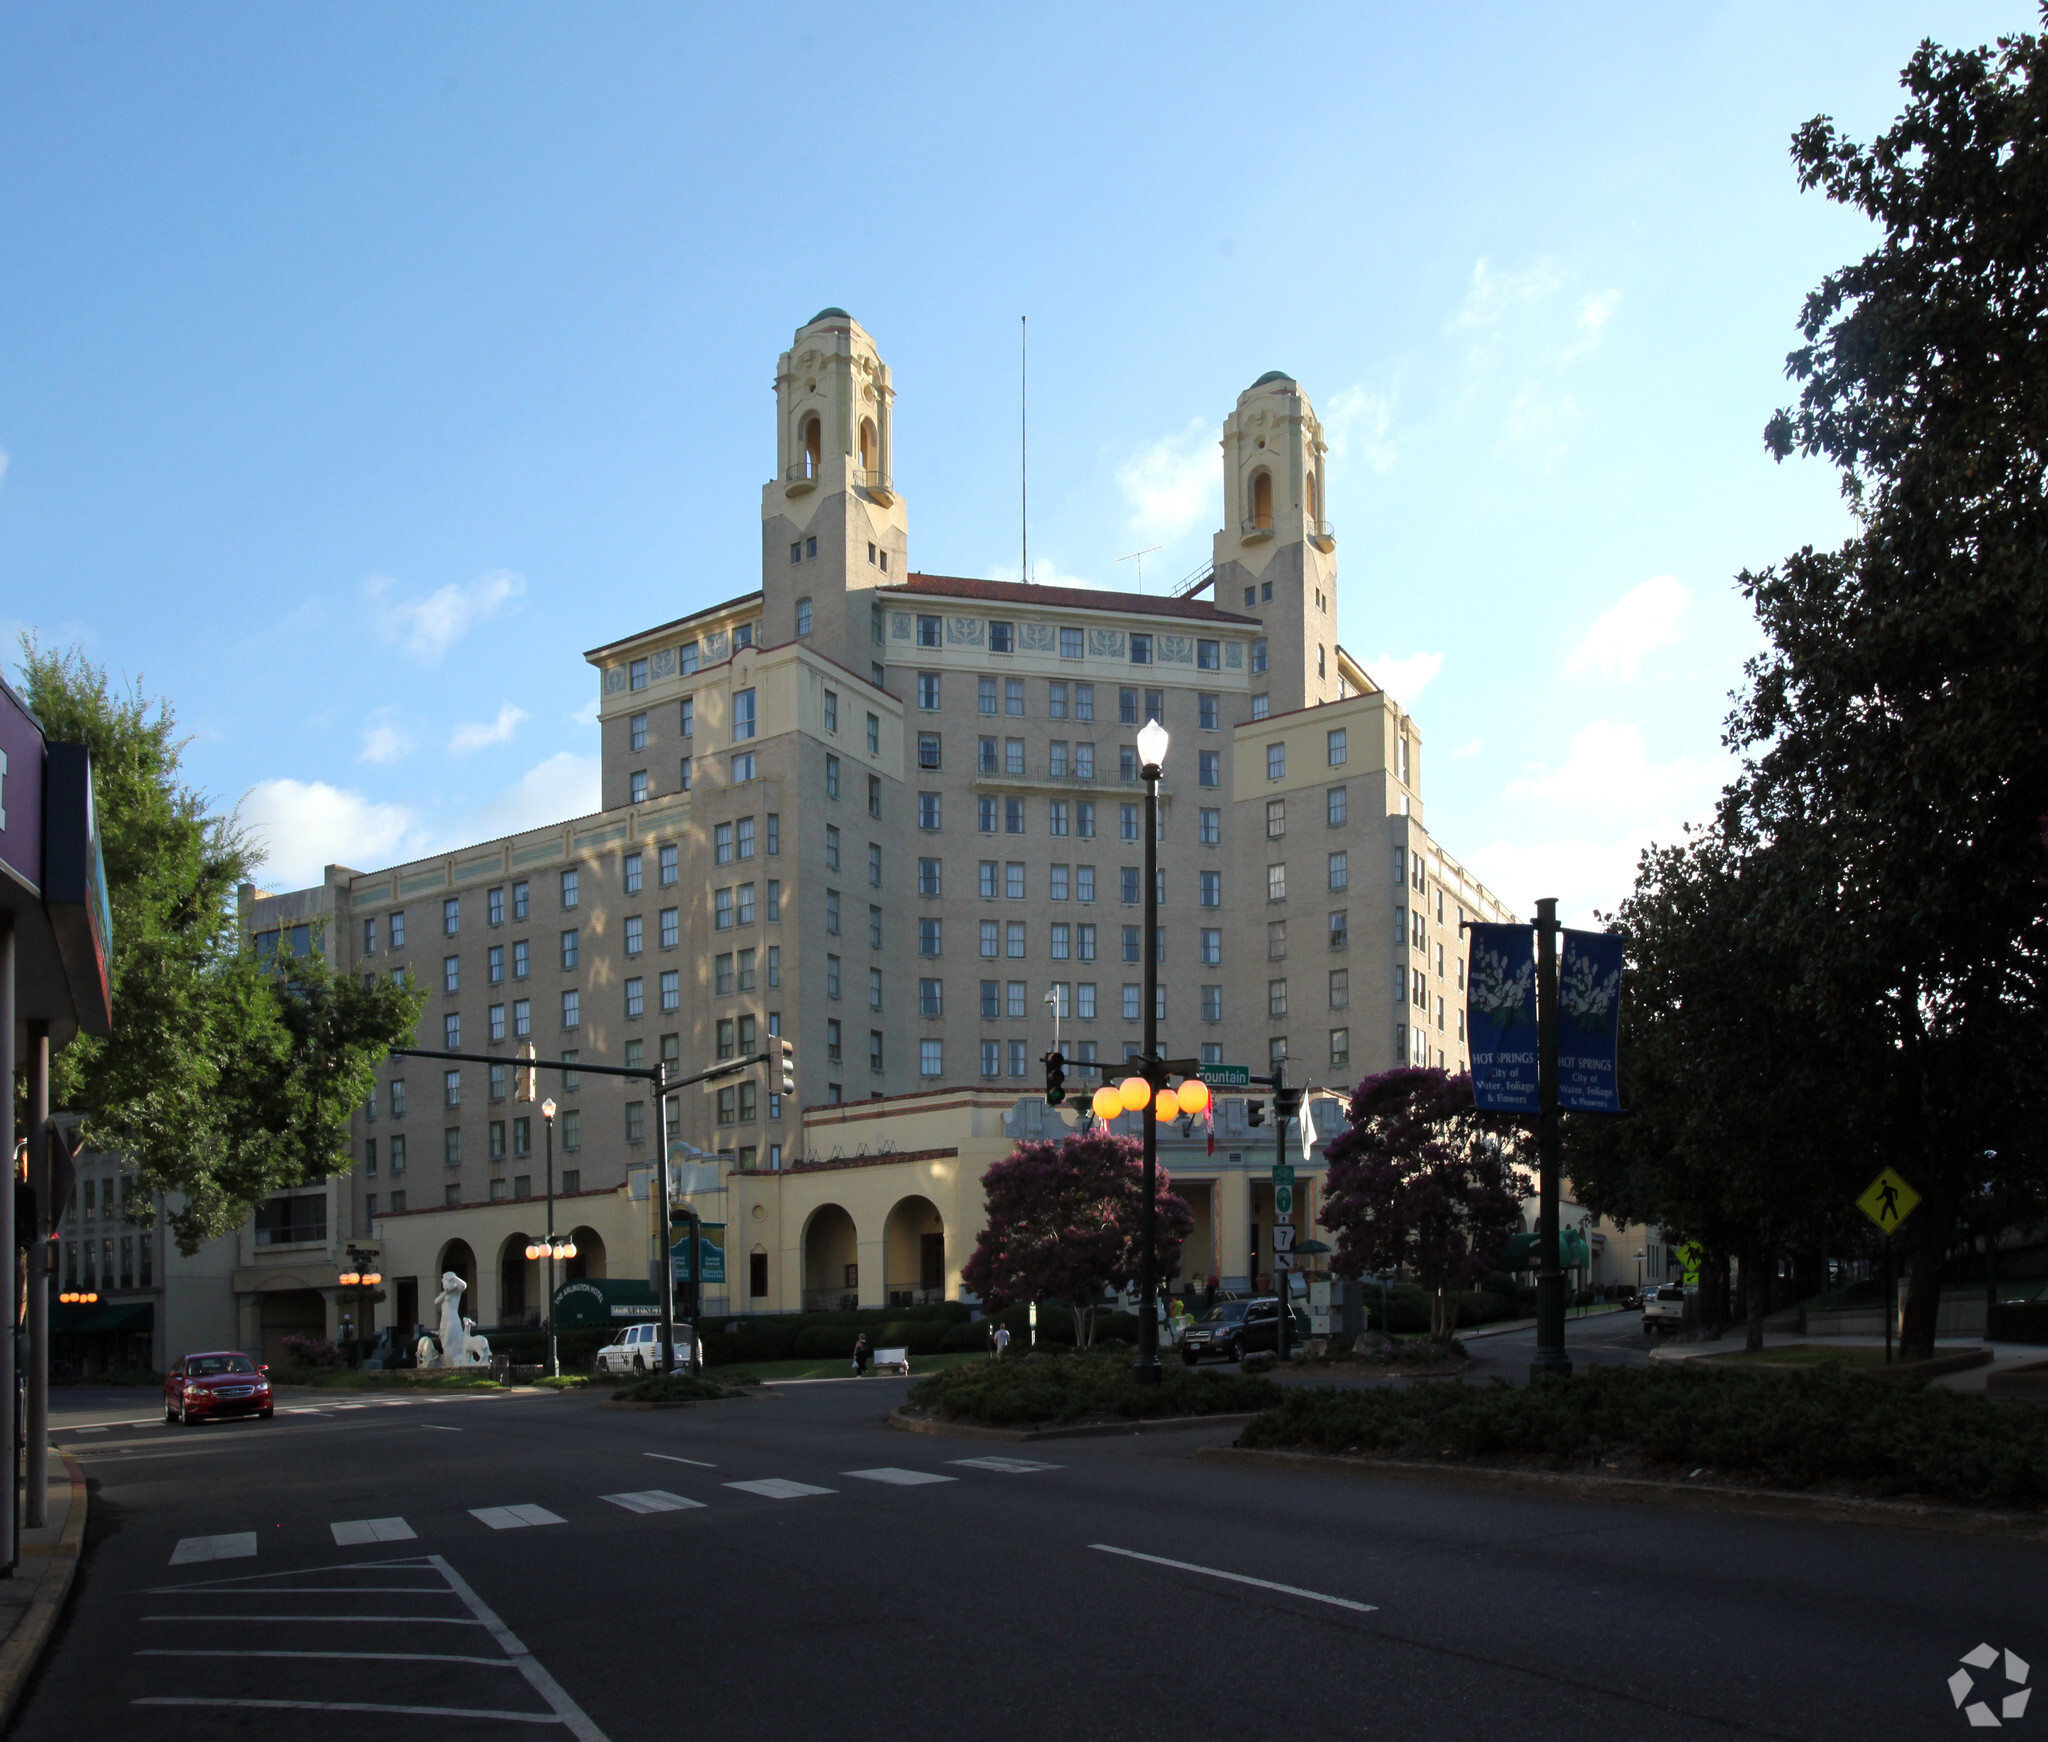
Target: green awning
(68, 1320)
(1571, 1251)
(604, 1300)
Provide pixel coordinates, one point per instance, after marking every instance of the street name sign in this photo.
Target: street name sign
(1888, 1200)
(1226, 1076)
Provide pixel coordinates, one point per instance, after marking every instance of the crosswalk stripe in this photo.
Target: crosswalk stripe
(899, 1478)
(360, 1530)
(233, 1547)
(778, 1488)
(652, 1500)
(514, 1517)
(1005, 1466)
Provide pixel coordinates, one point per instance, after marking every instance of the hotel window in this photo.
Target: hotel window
(875, 1049)
(1210, 763)
(1084, 1005)
(833, 1049)
(632, 868)
(522, 1018)
(1335, 739)
(1276, 940)
(1211, 821)
(667, 866)
(683, 776)
(689, 713)
(1212, 946)
(1084, 882)
(831, 777)
(874, 735)
(1127, 707)
(497, 1140)
(742, 715)
(1340, 988)
(929, 631)
(931, 997)
(1057, 816)
(635, 934)
(451, 1146)
(1340, 929)
(1212, 888)
(1014, 995)
(803, 616)
(874, 928)
(687, 658)
(991, 939)
(1259, 655)
(636, 736)
(1062, 937)
(721, 975)
(928, 750)
(1013, 880)
(636, 675)
(928, 812)
(1276, 882)
(1337, 806)
(1013, 755)
(931, 1058)
(1126, 762)
(1055, 701)
(991, 1000)
(831, 976)
(874, 795)
(721, 910)
(1127, 885)
(671, 990)
(991, 1058)
(395, 1156)
(1208, 656)
(494, 907)
(1134, 1002)
(1155, 705)
(744, 837)
(1013, 939)
(1212, 1003)
(743, 769)
(451, 914)
(1084, 701)
(1127, 822)
(1276, 761)
(747, 958)
(451, 973)
(1141, 650)
(398, 930)
(369, 937)
(1340, 870)
(1059, 880)
(1276, 818)
(1340, 1046)
(451, 1032)
(1013, 696)
(1013, 816)
(985, 695)
(985, 815)
(1070, 643)
(635, 996)
(1207, 713)
(1001, 636)
(928, 691)
(746, 903)
(569, 948)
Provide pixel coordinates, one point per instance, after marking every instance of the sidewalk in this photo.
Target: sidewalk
(31, 1601)
(2003, 1355)
(1605, 1310)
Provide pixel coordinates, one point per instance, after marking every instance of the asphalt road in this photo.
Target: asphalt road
(512, 1566)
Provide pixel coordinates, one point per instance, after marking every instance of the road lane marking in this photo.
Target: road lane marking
(514, 1517)
(401, 1620)
(352, 1531)
(776, 1488)
(238, 1545)
(88, 1430)
(671, 1458)
(1236, 1578)
(898, 1478)
(350, 1706)
(1005, 1466)
(566, 1710)
(352, 1656)
(439, 1427)
(652, 1500)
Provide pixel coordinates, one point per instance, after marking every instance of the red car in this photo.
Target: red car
(221, 1382)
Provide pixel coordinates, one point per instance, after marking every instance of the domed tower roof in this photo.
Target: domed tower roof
(828, 314)
(1273, 375)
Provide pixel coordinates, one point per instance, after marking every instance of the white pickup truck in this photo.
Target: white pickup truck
(637, 1349)
(1663, 1308)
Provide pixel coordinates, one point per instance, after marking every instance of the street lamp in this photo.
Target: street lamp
(1152, 743)
(552, 1247)
(360, 1280)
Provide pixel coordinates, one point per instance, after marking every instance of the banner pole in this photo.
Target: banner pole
(1550, 1352)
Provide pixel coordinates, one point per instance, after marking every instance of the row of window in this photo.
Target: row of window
(1002, 638)
(1015, 1054)
(688, 657)
(569, 1182)
(104, 1265)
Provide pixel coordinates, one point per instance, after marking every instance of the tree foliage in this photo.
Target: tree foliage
(225, 1077)
(1879, 856)
(1066, 1221)
(1422, 1179)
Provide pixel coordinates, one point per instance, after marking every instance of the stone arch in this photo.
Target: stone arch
(590, 1255)
(519, 1283)
(810, 438)
(914, 1253)
(1259, 502)
(831, 1249)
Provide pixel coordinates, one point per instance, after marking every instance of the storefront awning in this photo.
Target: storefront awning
(135, 1315)
(604, 1300)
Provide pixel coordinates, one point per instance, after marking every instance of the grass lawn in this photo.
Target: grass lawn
(1801, 1355)
(833, 1367)
(400, 1379)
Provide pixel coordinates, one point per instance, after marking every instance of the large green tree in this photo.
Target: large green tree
(225, 1077)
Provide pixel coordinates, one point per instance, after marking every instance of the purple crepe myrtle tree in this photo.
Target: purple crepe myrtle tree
(1065, 1222)
(1424, 1180)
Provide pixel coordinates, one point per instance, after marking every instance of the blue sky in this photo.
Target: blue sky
(360, 366)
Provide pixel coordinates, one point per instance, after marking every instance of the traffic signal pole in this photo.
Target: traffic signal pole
(782, 1054)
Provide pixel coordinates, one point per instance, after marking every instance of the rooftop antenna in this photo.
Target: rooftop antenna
(1139, 557)
(1024, 444)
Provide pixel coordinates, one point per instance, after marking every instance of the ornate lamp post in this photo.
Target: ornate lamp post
(362, 1280)
(553, 1246)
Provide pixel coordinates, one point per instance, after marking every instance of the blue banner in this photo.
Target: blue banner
(1588, 1021)
(1500, 1017)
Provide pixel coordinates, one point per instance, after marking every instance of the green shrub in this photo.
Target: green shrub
(823, 1342)
(1071, 1388)
(1801, 1430)
(674, 1388)
(967, 1339)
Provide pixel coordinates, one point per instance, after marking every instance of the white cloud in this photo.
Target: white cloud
(1173, 486)
(585, 715)
(1585, 873)
(480, 734)
(1492, 294)
(426, 628)
(1405, 679)
(1463, 751)
(1046, 572)
(303, 826)
(1608, 770)
(1358, 424)
(4, 462)
(1596, 311)
(1643, 620)
(384, 739)
(565, 785)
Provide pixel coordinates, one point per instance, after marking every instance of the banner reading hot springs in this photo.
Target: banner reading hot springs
(1500, 1015)
(1588, 1021)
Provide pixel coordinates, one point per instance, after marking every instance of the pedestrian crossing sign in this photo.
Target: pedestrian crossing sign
(1888, 1200)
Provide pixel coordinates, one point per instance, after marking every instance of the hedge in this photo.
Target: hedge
(1810, 1429)
(1071, 1388)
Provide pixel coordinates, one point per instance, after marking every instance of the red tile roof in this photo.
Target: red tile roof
(1073, 598)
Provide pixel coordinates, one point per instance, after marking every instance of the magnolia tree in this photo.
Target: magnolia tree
(1066, 1221)
(1423, 1179)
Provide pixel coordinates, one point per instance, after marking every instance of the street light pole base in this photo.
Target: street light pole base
(1551, 1363)
(1148, 1372)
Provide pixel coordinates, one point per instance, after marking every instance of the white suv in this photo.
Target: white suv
(1663, 1307)
(637, 1349)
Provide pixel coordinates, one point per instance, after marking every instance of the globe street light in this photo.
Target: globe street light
(1152, 743)
(553, 1248)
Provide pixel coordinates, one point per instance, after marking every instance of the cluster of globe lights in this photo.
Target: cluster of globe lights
(555, 1247)
(360, 1278)
(1130, 1096)
(76, 1298)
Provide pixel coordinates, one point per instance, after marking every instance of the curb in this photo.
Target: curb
(913, 1424)
(24, 1649)
(1900, 1514)
(1960, 1361)
(1509, 1327)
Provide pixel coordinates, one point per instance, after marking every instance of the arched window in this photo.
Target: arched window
(1315, 499)
(870, 446)
(814, 445)
(1262, 500)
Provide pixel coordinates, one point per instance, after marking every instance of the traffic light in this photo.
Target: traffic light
(788, 1066)
(1055, 1078)
(1255, 1112)
(1286, 1103)
(526, 1079)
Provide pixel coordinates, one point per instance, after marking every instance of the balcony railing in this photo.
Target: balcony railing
(875, 482)
(1322, 534)
(1251, 531)
(802, 476)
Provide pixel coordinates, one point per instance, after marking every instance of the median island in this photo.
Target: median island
(1822, 1431)
(1044, 1391)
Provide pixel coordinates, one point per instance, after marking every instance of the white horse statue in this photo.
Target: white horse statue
(448, 1303)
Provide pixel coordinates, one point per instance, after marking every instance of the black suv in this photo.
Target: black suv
(1234, 1329)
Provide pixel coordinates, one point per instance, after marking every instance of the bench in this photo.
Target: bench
(896, 1358)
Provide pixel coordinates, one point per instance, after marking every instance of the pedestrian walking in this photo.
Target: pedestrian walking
(1002, 1341)
(860, 1354)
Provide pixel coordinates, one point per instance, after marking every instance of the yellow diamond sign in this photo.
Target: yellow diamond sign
(1888, 1200)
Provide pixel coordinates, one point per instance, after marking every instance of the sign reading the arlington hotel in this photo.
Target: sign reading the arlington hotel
(894, 816)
